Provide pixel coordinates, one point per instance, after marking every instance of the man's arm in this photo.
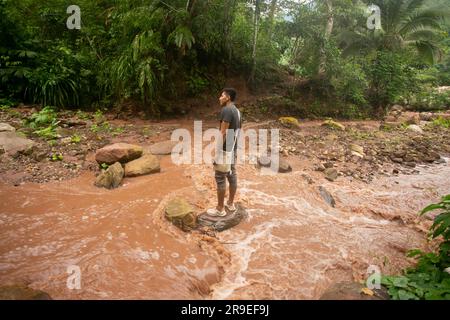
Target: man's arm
(223, 128)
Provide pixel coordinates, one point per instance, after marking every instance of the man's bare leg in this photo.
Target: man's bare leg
(221, 199)
(233, 190)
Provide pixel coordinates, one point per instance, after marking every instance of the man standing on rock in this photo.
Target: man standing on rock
(230, 125)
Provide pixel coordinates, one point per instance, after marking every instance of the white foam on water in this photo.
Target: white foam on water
(243, 250)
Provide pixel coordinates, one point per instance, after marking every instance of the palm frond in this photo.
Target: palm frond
(428, 51)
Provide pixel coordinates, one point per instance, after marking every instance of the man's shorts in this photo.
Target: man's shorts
(222, 176)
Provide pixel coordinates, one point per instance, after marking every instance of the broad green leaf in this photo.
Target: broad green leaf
(406, 295)
(401, 282)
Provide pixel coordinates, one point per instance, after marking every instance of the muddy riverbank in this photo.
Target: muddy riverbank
(293, 245)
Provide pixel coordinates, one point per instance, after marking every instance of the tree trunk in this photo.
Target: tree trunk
(190, 4)
(255, 41)
(273, 6)
(327, 35)
(229, 19)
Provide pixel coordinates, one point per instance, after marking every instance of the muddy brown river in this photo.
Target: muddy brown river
(292, 246)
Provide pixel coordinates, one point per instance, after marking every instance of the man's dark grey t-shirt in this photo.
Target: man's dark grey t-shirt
(231, 115)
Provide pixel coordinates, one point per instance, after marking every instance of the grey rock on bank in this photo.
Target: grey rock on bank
(13, 143)
(4, 127)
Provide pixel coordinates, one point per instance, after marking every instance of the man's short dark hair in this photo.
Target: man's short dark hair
(231, 93)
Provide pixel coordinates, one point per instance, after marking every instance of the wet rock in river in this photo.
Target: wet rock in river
(222, 223)
(111, 177)
(20, 292)
(284, 166)
(146, 164)
(327, 197)
(181, 214)
(264, 161)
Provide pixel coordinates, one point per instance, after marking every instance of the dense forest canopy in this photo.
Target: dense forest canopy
(152, 52)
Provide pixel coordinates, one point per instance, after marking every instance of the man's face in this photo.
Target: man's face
(224, 99)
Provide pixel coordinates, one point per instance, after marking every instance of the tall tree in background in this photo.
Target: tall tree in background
(256, 16)
(327, 34)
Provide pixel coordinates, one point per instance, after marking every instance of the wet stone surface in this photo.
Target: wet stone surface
(232, 219)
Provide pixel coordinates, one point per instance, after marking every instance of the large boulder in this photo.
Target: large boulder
(162, 148)
(111, 177)
(354, 291)
(13, 143)
(4, 127)
(181, 214)
(118, 152)
(20, 292)
(222, 223)
(146, 164)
